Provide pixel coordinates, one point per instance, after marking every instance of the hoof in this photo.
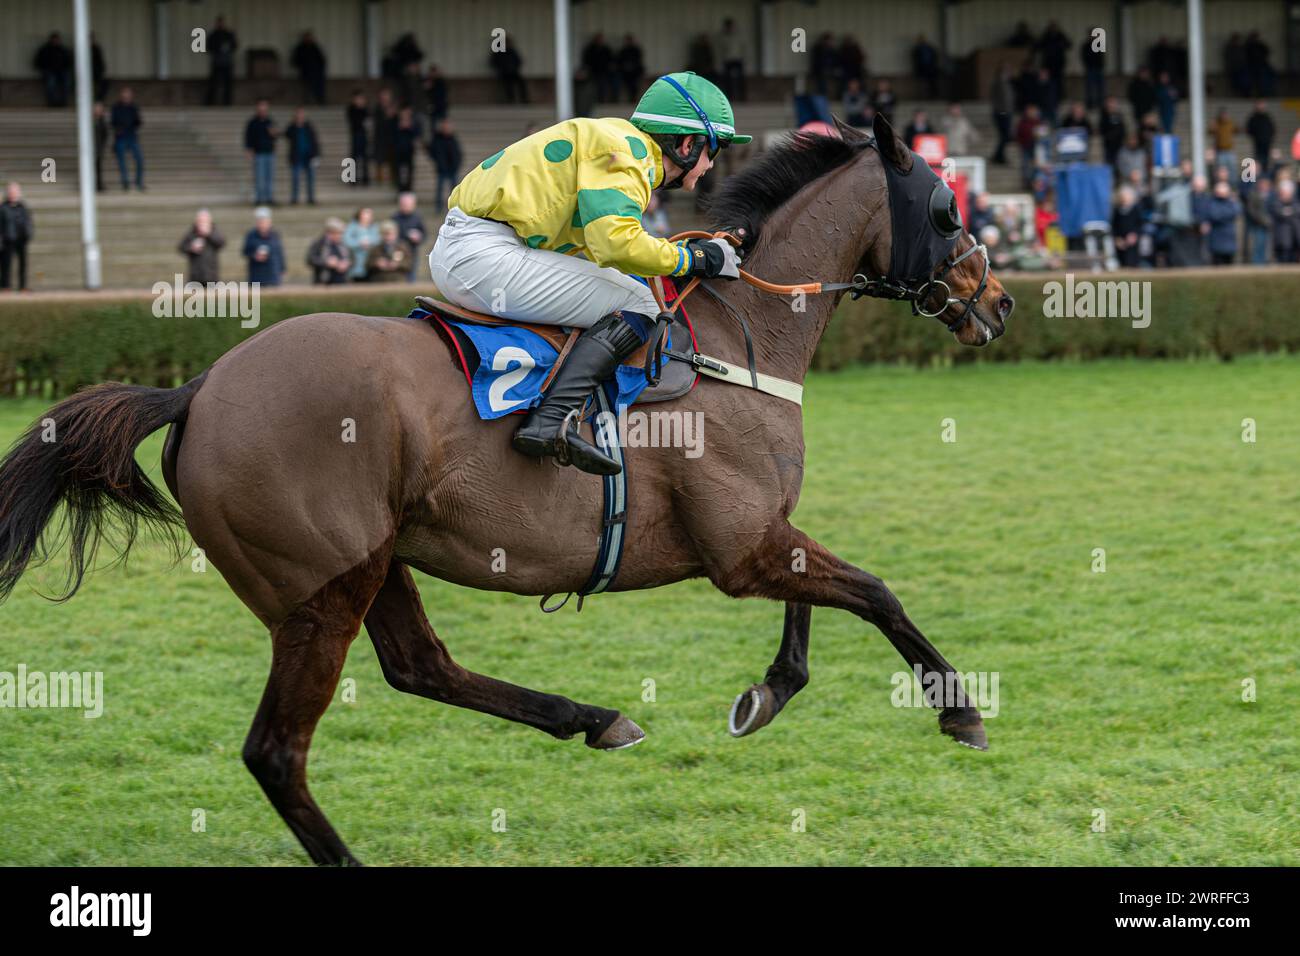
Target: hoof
(618, 735)
(965, 727)
(753, 709)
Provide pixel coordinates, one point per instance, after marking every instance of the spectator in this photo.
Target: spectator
(309, 60)
(1094, 72)
(16, 230)
(1261, 131)
(1130, 159)
(598, 61)
(960, 131)
(1048, 94)
(359, 237)
(507, 65)
(1259, 221)
(1142, 93)
(824, 65)
(99, 119)
(925, 65)
(699, 58)
(259, 144)
(1222, 211)
(853, 61)
(631, 67)
(855, 104)
(920, 126)
(1126, 227)
(1261, 72)
(329, 258)
(1236, 66)
(981, 214)
(444, 150)
(435, 94)
(1166, 102)
(1002, 100)
(405, 137)
(200, 246)
(1225, 135)
(1027, 138)
(391, 257)
(221, 51)
(732, 50)
(126, 122)
(411, 227)
(385, 128)
(1021, 37)
(411, 90)
(263, 250)
(1110, 124)
(304, 148)
(54, 63)
(358, 112)
(98, 69)
(404, 52)
(1052, 47)
(1148, 130)
(1285, 212)
(883, 100)
(1077, 118)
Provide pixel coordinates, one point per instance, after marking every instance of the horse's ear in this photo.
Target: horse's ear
(891, 147)
(850, 134)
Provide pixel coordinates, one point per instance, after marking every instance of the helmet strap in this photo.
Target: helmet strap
(667, 143)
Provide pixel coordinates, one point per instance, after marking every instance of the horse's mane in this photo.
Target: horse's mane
(749, 197)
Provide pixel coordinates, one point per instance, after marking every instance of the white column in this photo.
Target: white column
(162, 57)
(373, 36)
(86, 145)
(1196, 84)
(563, 63)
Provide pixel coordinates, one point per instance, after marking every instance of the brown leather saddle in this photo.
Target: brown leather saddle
(675, 380)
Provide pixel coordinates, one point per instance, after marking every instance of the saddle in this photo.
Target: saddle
(676, 378)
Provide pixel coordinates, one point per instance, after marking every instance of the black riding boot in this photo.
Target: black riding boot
(552, 427)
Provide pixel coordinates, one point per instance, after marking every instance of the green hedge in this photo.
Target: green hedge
(1224, 313)
(54, 346)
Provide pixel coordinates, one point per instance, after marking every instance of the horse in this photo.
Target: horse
(317, 530)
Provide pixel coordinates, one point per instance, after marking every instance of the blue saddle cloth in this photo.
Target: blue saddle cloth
(506, 366)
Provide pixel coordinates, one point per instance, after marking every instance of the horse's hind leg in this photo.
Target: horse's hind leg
(787, 676)
(308, 649)
(415, 661)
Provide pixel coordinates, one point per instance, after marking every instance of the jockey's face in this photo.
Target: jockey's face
(672, 163)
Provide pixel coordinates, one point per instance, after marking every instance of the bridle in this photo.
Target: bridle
(920, 294)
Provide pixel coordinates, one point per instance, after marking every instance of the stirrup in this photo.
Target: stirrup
(562, 439)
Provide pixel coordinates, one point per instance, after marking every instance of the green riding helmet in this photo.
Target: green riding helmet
(682, 104)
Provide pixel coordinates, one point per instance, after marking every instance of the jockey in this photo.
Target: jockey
(548, 230)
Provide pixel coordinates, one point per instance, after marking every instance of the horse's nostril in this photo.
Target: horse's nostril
(1005, 305)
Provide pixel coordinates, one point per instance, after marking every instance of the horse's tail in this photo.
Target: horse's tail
(82, 455)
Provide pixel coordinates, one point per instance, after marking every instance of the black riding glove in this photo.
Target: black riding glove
(714, 257)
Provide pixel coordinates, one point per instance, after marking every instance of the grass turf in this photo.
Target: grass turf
(1119, 692)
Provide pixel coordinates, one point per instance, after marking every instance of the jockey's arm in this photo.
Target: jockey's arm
(612, 195)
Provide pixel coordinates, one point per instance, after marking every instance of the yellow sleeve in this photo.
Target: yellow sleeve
(612, 195)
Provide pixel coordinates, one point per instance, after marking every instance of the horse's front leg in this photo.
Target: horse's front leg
(789, 566)
(788, 674)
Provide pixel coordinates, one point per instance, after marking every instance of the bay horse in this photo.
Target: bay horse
(317, 534)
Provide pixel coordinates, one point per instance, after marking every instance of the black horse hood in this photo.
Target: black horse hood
(924, 222)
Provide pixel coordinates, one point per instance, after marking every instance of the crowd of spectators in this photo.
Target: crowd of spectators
(1160, 215)
(360, 251)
